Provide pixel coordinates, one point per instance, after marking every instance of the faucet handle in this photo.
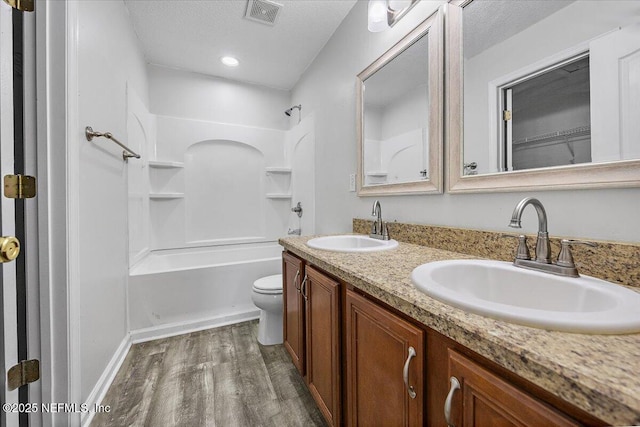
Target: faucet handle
(385, 231)
(565, 257)
(523, 249)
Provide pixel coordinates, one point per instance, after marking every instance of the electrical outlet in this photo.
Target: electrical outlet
(352, 182)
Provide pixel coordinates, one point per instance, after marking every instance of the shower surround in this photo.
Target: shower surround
(219, 197)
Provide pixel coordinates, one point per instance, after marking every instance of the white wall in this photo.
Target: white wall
(177, 93)
(109, 59)
(327, 89)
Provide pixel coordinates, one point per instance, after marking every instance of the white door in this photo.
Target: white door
(9, 330)
(615, 95)
(19, 403)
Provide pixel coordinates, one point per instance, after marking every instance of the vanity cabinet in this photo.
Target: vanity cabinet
(485, 399)
(366, 364)
(322, 297)
(384, 364)
(293, 310)
(312, 332)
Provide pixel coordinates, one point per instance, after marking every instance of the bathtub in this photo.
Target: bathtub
(183, 290)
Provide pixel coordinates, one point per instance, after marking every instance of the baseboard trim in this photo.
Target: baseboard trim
(179, 328)
(105, 380)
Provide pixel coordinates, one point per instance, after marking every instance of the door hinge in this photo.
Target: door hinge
(19, 186)
(506, 115)
(23, 373)
(21, 5)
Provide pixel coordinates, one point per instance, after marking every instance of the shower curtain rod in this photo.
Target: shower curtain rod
(126, 154)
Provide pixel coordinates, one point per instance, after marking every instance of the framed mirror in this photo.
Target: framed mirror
(542, 94)
(399, 116)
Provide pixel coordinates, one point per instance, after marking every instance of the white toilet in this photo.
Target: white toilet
(267, 296)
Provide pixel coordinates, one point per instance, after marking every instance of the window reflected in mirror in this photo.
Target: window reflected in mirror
(549, 84)
(546, 118)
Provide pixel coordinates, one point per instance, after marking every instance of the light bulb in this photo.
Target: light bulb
(377, 16)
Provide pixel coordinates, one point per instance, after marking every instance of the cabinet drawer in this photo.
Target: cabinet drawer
(485, 399)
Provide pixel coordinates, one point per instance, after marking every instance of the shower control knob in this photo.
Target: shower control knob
(9, 248)
(297, 209)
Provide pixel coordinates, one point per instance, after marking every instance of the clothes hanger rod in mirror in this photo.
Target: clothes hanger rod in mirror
(126, 154)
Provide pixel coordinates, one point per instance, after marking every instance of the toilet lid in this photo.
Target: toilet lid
(270, 284)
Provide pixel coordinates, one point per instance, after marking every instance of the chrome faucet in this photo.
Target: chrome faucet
(564, 266)
(543, 249)
(379, 228)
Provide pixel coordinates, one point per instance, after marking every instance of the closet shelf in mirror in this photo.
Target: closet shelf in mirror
(559, 136)
(277, 169)
(278, 195)
(158, 196)
(160, 164)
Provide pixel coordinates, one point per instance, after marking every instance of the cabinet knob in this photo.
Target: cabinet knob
(455, 385)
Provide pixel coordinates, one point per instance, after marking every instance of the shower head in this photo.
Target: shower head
(290, 110)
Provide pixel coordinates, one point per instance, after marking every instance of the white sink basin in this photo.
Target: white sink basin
(542, 300)
(351, 243)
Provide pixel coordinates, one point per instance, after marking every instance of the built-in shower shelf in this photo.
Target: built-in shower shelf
(158, 196)
(278, 196)
(377, 173)
(282, 170)
(158, 164)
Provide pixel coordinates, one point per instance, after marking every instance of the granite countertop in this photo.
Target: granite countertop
(597, 373)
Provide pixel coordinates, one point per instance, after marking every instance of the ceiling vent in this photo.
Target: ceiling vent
(263, 11)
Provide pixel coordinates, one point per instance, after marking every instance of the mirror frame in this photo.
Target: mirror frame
(433, 26)
(620, 174)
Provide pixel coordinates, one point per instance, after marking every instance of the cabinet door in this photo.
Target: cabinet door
(378, 349)
(484, 399)
(293, 307)
(322, 296)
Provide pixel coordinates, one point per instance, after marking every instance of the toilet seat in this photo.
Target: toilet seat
(270, 285)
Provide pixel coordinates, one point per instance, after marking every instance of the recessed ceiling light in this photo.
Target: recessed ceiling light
(229, 61)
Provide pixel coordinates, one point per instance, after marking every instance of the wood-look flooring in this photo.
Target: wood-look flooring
(218, 377)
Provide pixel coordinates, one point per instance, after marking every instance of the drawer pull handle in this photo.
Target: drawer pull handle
(455, 385)
(295, 280)
(405, 373)
(303, 288)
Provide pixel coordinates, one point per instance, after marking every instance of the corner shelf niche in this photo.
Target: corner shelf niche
(166, 180)
(278, 183)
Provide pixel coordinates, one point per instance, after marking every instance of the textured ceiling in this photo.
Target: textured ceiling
(193, 35)
(487, 22)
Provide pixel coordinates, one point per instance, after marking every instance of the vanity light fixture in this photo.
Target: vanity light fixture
(229, 61)
(383, 14)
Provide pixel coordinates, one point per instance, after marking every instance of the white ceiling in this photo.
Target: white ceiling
(194, 34)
